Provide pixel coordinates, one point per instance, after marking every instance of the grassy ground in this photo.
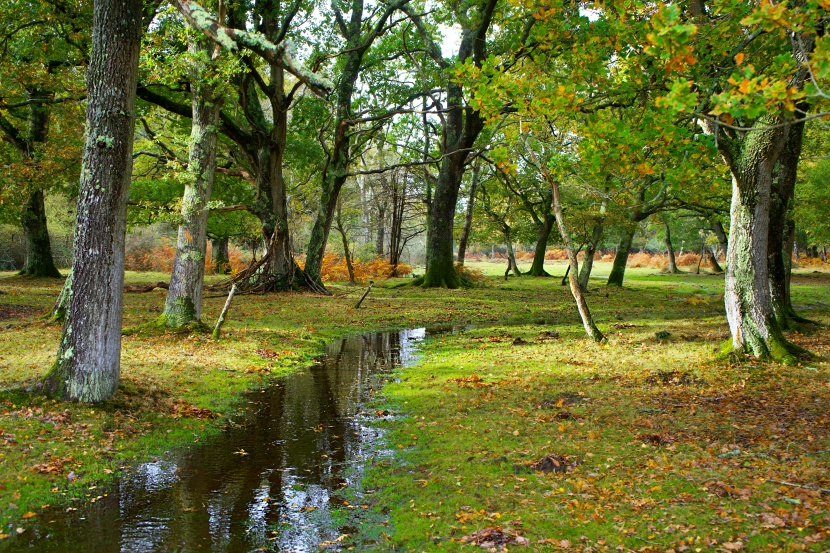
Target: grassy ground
(507, 435)
(176, 388)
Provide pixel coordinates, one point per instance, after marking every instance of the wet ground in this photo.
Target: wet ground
(285, 476)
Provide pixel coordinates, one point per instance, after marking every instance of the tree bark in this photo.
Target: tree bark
(713, 260)
(221, 258)
(468, 218)
(747, 296)
(88, 364)
(621, 259)
(441, 271)
(537, 268)
(184, 297)
(39, 262)
(669, 248)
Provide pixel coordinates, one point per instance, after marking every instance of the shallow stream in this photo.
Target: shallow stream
(284, 475)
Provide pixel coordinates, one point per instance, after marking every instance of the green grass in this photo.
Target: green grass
(674, 450)
(165, 373)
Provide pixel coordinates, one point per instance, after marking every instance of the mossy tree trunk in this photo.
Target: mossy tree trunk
(747, 297)
(39, 262)
(184, 297)
(89, 354)
(782, 227)
(537, 268)
(621, 259)
(441, 270)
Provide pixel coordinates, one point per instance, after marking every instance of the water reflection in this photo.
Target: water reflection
(284, 477)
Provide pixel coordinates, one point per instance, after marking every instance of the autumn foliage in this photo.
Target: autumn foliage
(159, 258)
(335, 269)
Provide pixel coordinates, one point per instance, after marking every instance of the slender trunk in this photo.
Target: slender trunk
(468, 218)
(621, 259)
(591, 248)
(221, 258)
(380, 239)
(89, 354)
(346, 252)
(335, 173)
(184, 297)
(576, 290)
(545, 228)
(39, 262)
(511, 255)
(669, 248)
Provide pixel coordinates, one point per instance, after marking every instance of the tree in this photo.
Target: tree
(50, 42)
(89, 354)
(750, 116)
(461, 125)
(359, 34)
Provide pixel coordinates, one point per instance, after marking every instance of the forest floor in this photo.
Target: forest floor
(663, 446)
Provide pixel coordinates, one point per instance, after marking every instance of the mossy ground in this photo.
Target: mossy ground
(673, 449)
(172, 380)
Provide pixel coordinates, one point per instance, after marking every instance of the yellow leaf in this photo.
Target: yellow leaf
(744, 87)
(739, 58)
(30, 514)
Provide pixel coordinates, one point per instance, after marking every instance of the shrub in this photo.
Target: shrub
(334, 268)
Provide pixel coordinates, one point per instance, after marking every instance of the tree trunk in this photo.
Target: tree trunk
(468, 218)
(669, 248)
(747, 297)
(39, 262)
(713, 260)
(184, 297)
(221, 258)
(511, 255)
(346, 253)
(591, 248)
(88, 364)
(621, 259)
(441, 270)
(538, 266)
(717, 226)
(782, 228)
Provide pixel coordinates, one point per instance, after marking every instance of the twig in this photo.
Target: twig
(224, 312)
(366, 293)
(815, 489)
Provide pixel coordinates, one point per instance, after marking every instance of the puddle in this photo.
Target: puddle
(285, 476)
